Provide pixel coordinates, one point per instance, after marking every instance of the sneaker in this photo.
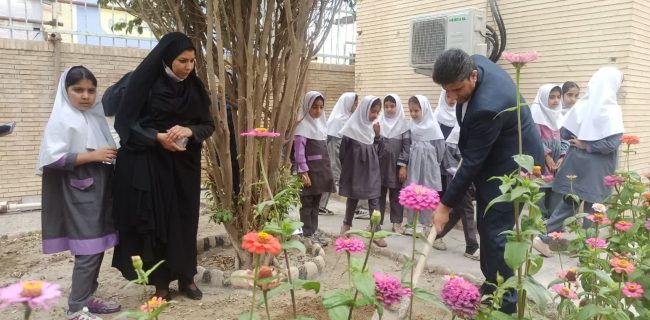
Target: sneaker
(325, 212)
(316, 239)
(82, 314)
(102, 306)
(474, 256)
(397, 228)
(438, 244)
(362, 213)
(541, 247)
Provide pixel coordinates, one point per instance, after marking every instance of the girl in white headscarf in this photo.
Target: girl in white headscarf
(75, 161)
(394, 147)
(360, 176)
(312, 161)
(341, 112)
(570, 94)
(547, 114)
(426, 154)
(593, 127)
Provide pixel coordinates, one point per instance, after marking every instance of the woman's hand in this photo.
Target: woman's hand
(550, 163)
(305, 179)
(402, 174)
(558, 163)
(104, 154)
(165, 142)
(178, 132)
(376, 128)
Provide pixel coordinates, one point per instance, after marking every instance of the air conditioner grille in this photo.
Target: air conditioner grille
(428, 40)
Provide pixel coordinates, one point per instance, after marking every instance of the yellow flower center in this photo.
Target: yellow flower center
(262, 129)
(599, 216)
(623, 263)
(631, 287)
(566, 290)
(32, 289)
(419, 190)
(263, 236)
(452, 276)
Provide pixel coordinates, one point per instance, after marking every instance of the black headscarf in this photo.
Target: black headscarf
(145, 75)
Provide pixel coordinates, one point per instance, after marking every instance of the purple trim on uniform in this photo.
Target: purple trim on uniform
(82, 184)
(80, 246)
(58, 163)
(299, 143)
(315, 157)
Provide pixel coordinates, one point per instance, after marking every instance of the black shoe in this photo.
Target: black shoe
(166, 297)
(192, 293)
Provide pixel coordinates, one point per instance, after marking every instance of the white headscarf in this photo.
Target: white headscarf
(541, 111)
(359, 127)
(597, 114)
(340, 113)
(70, 130)
(454, 135)
(395, 126)
(427, 128)
(307, 126)
(445, 114)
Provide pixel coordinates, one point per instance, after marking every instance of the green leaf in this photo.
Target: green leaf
(360, 233)
(384, 234)
(502, 198)
(406, 270)
(505, 110)
(525, 161)
(338, 313)
(308, 285)
(290, 226)
(272, 228)
(246, 316)
(515, 253)
(429, 297)
(148, 272)
(277, 290)
(518, 192)
(333, 299)
(535, 265)
(572, 196)
(294, 244)
(536, 292)
(589, 312)
(364, 282)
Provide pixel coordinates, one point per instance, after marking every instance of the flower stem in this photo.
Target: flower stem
(349, 268)
(293, 295)
(521, 304)
(266, 304)
(521, 149)
(373, 227)
(257, 269)
(415, 224)
(28, 311)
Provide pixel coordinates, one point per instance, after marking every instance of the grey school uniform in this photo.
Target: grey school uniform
(590, 166)
(425, 160)
(393, 154)
(360, 176)
(333, 146)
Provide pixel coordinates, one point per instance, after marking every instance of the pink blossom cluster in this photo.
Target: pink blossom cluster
(418, 198)
(461, 297)
(614, 180)
(350, 245)
(596, 243)
(389, 290)
(564, 291)
(260, 132)
(520, 59)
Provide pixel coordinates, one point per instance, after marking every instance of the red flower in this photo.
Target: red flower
(630, 139)
(260, 243)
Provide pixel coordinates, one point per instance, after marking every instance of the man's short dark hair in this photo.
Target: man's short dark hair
(451, 66)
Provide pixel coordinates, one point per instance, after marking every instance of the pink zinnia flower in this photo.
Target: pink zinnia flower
(34, 293)
(564, 291)
(520, 59)
(596, 243)
(599, 207)
(260, 132)
(647, 224)
(623, 225)
(461, 297)
(614, 180)
(351, 245)
(633, 290)
(555, 235)
(599, 218)
(569, 275)
(418, 198)
(389, 290)
(622, 265)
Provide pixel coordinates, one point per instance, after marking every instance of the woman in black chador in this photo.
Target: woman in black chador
(163, 118)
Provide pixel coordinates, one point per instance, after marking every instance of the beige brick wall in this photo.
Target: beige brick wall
(27, 82)
(573, 39)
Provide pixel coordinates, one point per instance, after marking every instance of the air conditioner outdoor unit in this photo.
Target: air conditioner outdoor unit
(432, 34)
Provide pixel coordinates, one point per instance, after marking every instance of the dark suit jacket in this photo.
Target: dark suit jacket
(487, 144)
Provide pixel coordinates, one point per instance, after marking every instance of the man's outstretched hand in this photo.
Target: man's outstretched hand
(441, 217)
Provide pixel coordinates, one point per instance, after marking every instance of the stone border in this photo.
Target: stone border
(237, 279)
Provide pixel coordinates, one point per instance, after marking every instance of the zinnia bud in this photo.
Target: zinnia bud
(376, 217)
(137, 262)
(537, 171)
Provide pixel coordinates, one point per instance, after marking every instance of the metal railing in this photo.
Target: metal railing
(84, 22)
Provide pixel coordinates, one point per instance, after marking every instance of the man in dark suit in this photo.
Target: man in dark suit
(488, 140)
